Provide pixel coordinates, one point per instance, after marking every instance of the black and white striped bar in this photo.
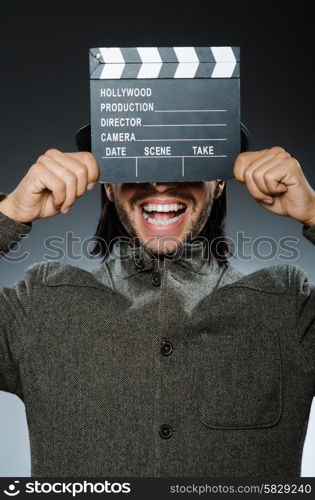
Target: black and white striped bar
(164, 62)
(165, 114)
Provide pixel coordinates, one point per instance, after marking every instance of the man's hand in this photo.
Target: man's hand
(51, 185)
(277, 183)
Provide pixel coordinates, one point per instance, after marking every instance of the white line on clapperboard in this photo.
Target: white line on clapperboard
(167, 140)
(186, 156)
(189, 125)
(189, 110)
(182, 157)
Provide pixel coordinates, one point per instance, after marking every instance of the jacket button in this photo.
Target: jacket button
(156, 278)
(166, 347)
(166, 431)
(139, 263)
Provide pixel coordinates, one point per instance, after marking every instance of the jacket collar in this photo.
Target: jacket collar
(191, 257)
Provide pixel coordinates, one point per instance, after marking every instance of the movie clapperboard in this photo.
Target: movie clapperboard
(165, 114)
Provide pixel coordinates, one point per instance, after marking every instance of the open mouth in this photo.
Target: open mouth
(163, 214)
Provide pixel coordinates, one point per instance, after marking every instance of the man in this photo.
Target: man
(164, 361)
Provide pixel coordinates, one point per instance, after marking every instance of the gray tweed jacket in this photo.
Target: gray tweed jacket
(142, 369)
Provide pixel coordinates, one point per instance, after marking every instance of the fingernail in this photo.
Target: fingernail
(268, 201)
(90, 186)
(65, 210)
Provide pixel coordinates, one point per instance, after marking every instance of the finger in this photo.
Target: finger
(281, 176)
(89, 160)
(260, 190)
(257, 170)
(69, 178)
(254, 189)
(76, 167)
(258, 173)
(243, 160)
(46, 179)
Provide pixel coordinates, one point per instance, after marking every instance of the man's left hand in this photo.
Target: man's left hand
(277, 183)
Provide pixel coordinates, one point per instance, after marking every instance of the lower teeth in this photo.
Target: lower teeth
(163, 222)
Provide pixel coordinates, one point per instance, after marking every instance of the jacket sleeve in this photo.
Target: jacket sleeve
(14, 304)
(305, 307)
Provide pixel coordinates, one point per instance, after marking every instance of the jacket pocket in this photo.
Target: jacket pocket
(241, 382)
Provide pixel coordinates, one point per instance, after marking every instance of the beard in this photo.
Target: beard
(192, 232)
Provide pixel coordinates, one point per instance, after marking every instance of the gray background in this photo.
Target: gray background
(45, 99)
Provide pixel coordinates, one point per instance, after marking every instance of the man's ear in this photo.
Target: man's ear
(109, 191)
(219, 188)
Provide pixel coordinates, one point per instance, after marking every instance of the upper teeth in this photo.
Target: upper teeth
(174, 207)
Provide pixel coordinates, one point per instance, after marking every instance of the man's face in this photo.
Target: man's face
(163, 216)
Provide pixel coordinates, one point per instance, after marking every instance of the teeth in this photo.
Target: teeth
(174, 207)
(160, 222)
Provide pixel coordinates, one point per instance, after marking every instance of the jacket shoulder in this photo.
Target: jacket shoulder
(276, 279)
(56, 274)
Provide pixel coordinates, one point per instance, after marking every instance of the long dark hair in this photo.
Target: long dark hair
(110, 229)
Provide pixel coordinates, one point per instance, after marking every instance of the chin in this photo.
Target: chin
(162, 245)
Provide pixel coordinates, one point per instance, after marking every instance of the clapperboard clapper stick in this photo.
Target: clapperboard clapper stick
(165, 114)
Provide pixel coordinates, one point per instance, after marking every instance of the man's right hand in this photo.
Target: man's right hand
(51, 185)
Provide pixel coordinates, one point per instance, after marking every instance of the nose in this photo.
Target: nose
(161, 187)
